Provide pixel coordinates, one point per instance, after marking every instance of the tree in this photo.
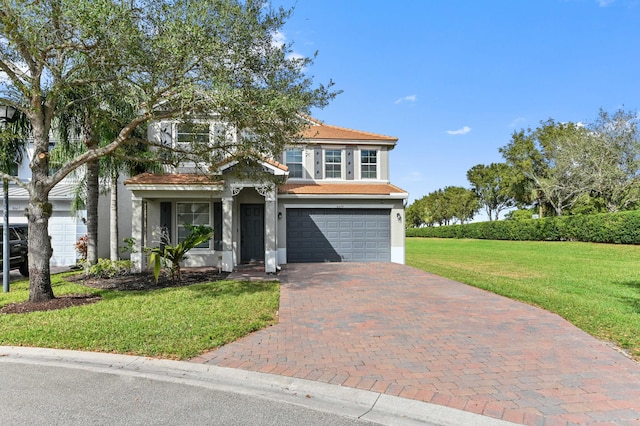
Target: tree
(612, 147)
(548, 161)
(415, 214)
(76, 122)
(444, 206)
(436, 208)
(492, 186)
(462, 203)
(525, 158)
(78, 131)
(167, 59)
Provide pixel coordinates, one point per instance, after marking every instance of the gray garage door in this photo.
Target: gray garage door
(338, 235)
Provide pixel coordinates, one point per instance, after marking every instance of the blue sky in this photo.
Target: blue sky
(453, 79)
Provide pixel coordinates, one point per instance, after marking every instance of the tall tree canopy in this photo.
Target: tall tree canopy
(613, 159)
(546, 164)
(167, 59)
(492, 185)
(443, 207)
(562, 164)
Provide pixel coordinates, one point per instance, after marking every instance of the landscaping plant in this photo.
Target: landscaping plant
(171, 255)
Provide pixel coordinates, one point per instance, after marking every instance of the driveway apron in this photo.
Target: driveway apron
(397, 330)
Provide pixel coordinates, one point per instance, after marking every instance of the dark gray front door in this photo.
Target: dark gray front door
(251, 232)
(338, 235)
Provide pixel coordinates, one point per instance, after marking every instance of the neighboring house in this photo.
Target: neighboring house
(329, 199)
(64, 227)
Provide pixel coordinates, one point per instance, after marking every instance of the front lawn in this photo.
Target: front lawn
(594, 286)
(176, 322)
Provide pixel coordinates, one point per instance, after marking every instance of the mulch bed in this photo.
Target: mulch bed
(140, 282)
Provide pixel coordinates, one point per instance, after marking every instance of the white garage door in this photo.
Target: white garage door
(338, 235)
(64, 231)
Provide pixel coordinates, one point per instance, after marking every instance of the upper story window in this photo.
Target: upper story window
(369, 164)
(293, 160)
(189, 133)
(333, 163)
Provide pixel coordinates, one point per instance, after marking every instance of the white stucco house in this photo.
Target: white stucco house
(329, 199)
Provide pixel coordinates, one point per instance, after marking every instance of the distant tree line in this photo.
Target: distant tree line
(555, 169)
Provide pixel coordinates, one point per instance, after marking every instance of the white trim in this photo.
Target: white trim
(175, 187)
(389, 197)
(338, 206)
(276, 170)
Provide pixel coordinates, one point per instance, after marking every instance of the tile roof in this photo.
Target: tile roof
(320, 130)
(340, 189)
(172, 179)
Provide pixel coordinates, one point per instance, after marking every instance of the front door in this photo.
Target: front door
(251, 233)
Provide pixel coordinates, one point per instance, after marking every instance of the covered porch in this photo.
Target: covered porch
(242, 213)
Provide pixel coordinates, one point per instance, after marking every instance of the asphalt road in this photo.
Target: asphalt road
(78, 397)
(56, 387)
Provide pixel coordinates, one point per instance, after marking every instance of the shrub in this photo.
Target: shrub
(106, 268)
(171, 255)
(82, 246)
(619, 228)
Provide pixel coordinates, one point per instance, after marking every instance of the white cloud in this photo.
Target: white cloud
(516, 122)
(463, 131)
(410, 98)
(415, 177)
(605, 3)
(294, 55)
(279, 40)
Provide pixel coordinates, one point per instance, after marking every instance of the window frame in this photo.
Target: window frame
(185, 144)
(368, 165)
(336, 166)
(289, 163)
(180, 224)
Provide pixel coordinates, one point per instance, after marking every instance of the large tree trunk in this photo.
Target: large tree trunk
(40, 251)
(114, 217)
(38, 213)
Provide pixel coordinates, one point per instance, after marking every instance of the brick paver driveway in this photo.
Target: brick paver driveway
(397, 330)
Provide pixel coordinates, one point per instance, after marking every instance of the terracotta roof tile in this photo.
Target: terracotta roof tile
(173, 179)
(319, 130)
(340, 188)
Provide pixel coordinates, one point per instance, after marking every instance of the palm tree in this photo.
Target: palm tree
(88, 125)
(130, 159)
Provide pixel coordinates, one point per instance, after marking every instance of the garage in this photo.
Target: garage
(338, 235)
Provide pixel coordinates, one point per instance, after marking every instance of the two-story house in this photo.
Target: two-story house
(330, 200)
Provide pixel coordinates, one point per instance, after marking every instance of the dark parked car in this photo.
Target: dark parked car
(19, 254)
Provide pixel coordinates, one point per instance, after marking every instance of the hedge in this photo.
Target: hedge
(619, 228)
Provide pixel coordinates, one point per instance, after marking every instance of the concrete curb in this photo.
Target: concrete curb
(347, 402)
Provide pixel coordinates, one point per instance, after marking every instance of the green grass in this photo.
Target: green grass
(594, 286)
(175, 323)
